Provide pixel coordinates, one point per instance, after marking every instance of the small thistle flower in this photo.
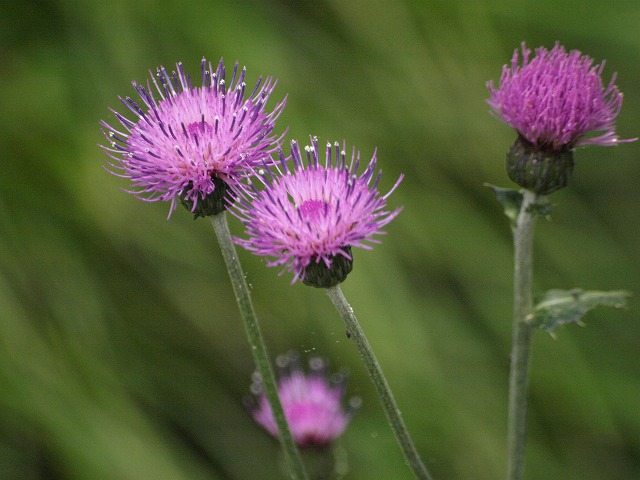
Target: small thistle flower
(308, 218)
(192, 143)
(553, 101)
(312, 402)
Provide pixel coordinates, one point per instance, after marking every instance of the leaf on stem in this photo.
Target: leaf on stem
(511, 201)
(559, 307)
(542, 207)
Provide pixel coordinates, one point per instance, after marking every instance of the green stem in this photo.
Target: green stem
(522, 334)
(380, 383)
(258, 349)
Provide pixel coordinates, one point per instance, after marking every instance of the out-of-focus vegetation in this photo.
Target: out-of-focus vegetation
(122, 355)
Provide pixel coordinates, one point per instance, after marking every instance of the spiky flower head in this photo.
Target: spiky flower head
(312, 402)
(553, 100)
(307, 218)
(191, 143)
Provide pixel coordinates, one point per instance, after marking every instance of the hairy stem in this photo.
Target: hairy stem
(380, 383)
(521, 340)
(256, 342)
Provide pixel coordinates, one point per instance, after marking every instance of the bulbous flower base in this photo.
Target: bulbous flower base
(539, 171)
(318, 275)
(216, 202)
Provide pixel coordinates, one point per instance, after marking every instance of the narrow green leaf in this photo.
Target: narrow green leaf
(510, 199)
(559, 307)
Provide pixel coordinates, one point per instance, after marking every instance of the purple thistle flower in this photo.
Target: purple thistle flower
(312, 402)
(192, 141)
(553, 100)
(556, 98)
(307, 218)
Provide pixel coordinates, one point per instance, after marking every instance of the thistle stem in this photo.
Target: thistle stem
(522, 334)
(258, 349)
(389, 405)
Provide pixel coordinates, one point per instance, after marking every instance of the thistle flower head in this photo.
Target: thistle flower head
(186, 142)
(308, 217)
(553, 101)
(556, 98)
(312, 402)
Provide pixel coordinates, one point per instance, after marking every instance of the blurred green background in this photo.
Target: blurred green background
(122, 355)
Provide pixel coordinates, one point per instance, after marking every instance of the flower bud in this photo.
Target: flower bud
(540, 171)
(212, 204)
(319, 275)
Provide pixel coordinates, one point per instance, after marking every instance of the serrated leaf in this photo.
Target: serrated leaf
(559, 307)
(510, 199)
